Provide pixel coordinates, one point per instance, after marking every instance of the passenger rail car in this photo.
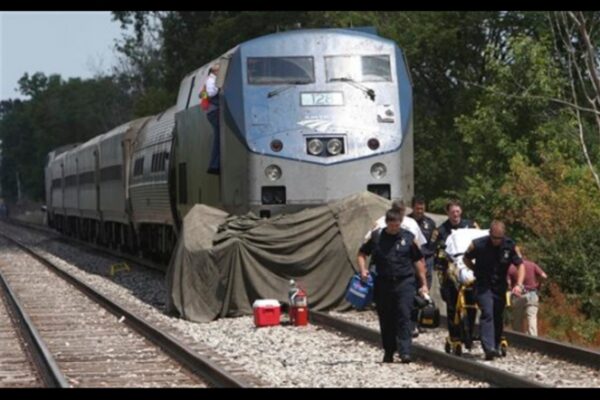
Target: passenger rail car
(151, 211)
(306, 116)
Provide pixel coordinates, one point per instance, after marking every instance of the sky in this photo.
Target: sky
(72, 44)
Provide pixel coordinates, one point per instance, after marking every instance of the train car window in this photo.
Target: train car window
(138, 167)
(280, 70)
(159, 161)
(376, 69)
(56, 183)
(112, 173)
(71, 180)
(86, 178)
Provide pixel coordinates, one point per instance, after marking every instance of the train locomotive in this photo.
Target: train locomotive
(306, 117)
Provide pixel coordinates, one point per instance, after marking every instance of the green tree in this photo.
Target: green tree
(58, 113)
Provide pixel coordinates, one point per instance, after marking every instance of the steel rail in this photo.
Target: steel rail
(438, 358)
(566, 351)
(42, 357)
(196, 363)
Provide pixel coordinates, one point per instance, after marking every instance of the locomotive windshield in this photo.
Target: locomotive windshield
(280, 70)
(358, 68)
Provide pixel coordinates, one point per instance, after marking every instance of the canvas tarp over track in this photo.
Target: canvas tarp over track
(220, 274)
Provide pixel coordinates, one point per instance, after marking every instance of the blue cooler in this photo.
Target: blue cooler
(359, 293)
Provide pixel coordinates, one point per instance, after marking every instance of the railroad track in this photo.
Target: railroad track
(272, 351)
(531, 362)
(438, 358)
(21, 356)
(471, 364)
(553, 348)
(87, 245)
(94, 348)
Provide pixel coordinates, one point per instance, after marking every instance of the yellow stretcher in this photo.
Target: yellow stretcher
(461, 316)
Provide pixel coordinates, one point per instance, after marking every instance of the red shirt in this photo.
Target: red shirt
(532, 271)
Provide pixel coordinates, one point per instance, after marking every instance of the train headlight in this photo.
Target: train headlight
(334, 147)
(273, 172)
(378, 170)
(315, 147)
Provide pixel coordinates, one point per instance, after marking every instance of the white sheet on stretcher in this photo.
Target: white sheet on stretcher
(457, 244)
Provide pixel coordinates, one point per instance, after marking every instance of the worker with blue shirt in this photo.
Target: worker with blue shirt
(412, 226)
(490, 257)
(398, 262)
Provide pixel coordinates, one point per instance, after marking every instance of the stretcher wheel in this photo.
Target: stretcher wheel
(503, 348)
(447, 347)
(458, 350)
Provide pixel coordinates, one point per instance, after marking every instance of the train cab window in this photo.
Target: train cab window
(337, 67)
(376, 69)
(280, 70)
(358, 68)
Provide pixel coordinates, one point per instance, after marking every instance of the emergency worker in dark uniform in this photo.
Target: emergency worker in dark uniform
(398, 262)
(427, 226)
(493, 255)
(448, 289)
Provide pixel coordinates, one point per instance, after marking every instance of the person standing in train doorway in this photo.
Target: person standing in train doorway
(211, 92)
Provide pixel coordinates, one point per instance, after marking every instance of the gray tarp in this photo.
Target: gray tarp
(220, 274)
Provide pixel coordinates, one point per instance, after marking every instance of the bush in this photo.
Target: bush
(573, 260)
(553, 210)
(560, 318)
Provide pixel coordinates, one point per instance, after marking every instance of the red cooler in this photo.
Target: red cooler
(266, 312)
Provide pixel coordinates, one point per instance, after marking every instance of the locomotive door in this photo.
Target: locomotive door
(223, 67)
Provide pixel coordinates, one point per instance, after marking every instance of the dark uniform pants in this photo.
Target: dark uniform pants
(449, 294)
(429, 270)
(491, 322)
(394, 300)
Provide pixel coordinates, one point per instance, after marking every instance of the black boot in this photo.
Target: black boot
(388, 357)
